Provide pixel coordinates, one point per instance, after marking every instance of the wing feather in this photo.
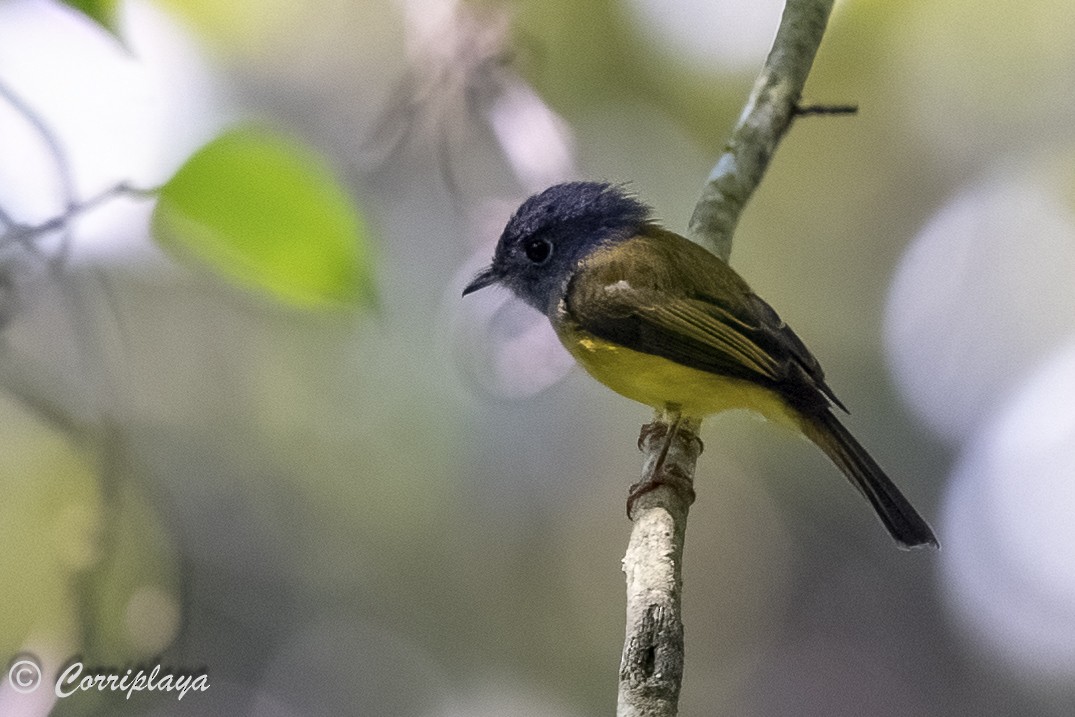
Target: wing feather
(676, 300)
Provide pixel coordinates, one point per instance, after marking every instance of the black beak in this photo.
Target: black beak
(487, 277)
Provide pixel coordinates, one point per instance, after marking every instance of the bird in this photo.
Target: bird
(661, 320)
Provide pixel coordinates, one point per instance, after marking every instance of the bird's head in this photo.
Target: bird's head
(551, 232)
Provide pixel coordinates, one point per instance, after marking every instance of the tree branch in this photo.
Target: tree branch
(766, 118)
(28, 234)
(651, 670)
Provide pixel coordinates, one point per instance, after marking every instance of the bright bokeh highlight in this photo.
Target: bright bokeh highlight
(713, 35)
(1009, 557)
(984, 292)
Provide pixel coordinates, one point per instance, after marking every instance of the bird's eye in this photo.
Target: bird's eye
(538, 250)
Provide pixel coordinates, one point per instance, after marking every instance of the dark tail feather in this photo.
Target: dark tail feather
(899, 517)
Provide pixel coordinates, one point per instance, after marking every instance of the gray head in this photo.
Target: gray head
(552, 231)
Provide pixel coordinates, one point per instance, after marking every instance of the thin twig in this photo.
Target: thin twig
(652, 666)
(807, 110)
(52, 142)
(15, 374)
(59, 158)
(28, 234)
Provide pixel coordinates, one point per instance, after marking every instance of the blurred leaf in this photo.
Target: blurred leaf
(102, 12)
(264, 211)
(238, 27)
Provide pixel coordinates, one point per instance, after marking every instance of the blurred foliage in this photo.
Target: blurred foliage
(568, 50)
(87, 568)
(103, 12)
(51, 520)
(244, 26)
(260, 209)
(132, 597)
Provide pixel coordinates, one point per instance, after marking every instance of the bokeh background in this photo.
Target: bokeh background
(417, 509)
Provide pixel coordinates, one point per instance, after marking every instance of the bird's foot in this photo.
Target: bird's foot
(657, 430)
(671, 478)
(654, 431)
(662, 472)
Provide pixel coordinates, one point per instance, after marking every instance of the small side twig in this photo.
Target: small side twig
(28, 234)
(807, 110)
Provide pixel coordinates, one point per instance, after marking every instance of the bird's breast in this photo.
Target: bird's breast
(660, 382)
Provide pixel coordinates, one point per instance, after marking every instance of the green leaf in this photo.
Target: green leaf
(266, 212)
(102, 12)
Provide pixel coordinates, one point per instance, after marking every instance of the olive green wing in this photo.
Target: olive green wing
(684, 304)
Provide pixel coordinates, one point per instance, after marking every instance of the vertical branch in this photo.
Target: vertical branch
(765, 119)
(651, 670)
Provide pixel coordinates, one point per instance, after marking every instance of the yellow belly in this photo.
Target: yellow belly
(660, 382)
